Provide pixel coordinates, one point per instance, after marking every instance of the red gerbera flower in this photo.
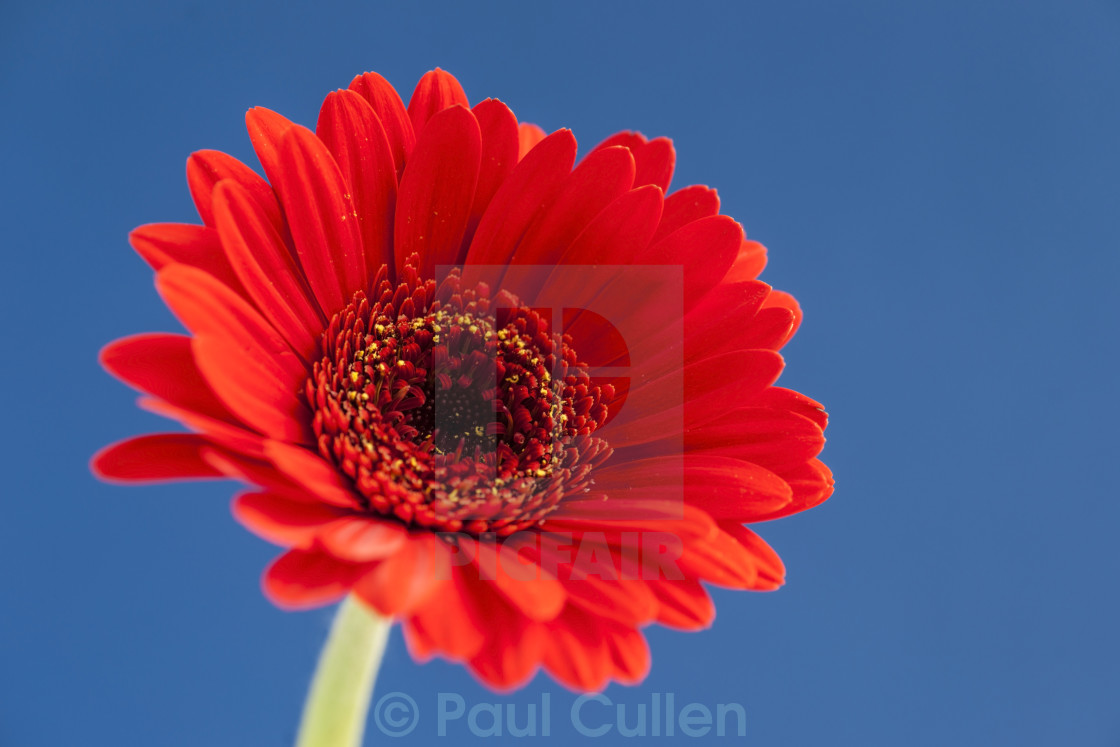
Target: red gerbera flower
(523, 408)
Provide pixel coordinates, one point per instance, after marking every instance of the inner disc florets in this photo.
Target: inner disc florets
(453, 410)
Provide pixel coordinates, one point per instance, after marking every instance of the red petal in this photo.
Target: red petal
(267, 269)
(322, 219)
(733, 489)
(685, 206)
(620, 231)
(626, 139)
(266, 130)
(654, 158)
(162, 244)
(442, 626)
(721, 561)
(277, 519)
(705, 248)
(628, 652)
(528, 135)
(601, 178)
(436, 91)
(386, 102)
(576, 654)
(320, 479)
(685, 604)
(749, 262)
(512, 650)
(770, 329)
(154, 458)
(499, 155)
(775, 439)
(609, 503)
(230, 433)
(771, 570)
(531, 589)
(404, 581)
(787, 399)
(246, 362)
(714, 385)
(627, 601)
(533, 183)
(725, 488)
(363, 538)
(689, 524)
(253, 388)
(206, 307)
(780, 317)
(205, 168)
(715, 324)
(355, 136)
(254, 468)
(299, 579)
(811, 484)
(710, 387)
(163, 365)
(437, 190)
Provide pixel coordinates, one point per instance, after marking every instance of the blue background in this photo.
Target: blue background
(937, 183)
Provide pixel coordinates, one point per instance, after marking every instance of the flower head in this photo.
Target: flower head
(522, 404)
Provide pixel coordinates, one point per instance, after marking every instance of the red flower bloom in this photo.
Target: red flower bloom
(522, 407)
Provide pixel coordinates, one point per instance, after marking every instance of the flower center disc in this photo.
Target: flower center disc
(454, 411)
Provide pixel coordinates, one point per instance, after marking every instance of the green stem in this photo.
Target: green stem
(335, 712)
